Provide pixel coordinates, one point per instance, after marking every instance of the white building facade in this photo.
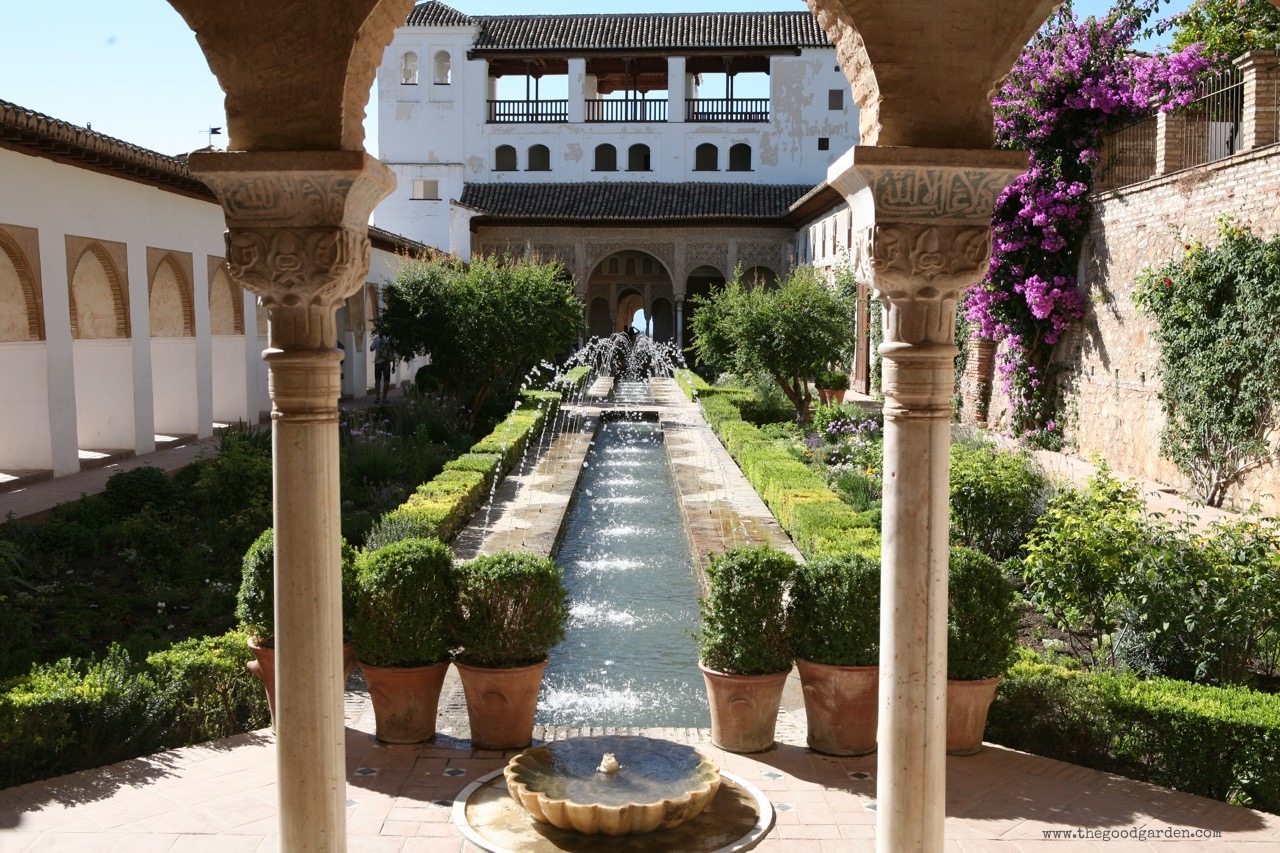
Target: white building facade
(652, 154)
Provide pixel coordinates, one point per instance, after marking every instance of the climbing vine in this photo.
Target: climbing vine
(1074, 82)
(1215, 311)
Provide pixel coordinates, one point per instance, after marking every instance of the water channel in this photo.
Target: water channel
(628, 658)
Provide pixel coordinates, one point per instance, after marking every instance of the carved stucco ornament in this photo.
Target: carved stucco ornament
(297, 233)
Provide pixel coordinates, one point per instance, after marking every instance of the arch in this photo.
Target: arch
(740, 158)
(664, 324)
(606, 158)
(505, 159)
(98, 300)
(706, 158)
(629, 303)
(21, 303)
(539, 158)
(442, 68)
(638, 158)
(599, 323)
(171, 301)
(408, 68)
(226, 304)
(760, 275)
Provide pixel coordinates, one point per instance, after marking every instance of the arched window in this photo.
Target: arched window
(606, 158)
(631, 266)
(706, 158)
(740, 158)
(613, 266)
(638, 158)
(539, 158)
(444, 69)
(504, 159)
(409, 69)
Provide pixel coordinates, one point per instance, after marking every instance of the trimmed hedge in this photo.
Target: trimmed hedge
(816, 519)
(1219, 742)
(73, 715)
(488, 464)
(572, 381)
(510, 438)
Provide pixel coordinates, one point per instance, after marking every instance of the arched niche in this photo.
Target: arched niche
(172, 304)
(226, 304)
(664, 320)
(98, 297)
(599, 322)
(443, 73)
(505, 159)
(760, 276)
(409, 68)
(606, 159)
(21, 302)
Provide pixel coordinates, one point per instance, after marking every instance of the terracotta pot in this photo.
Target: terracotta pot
(263, 665)
(744, 708)
(967, 705)
(501, 704)
(841, 704)
(405, 700)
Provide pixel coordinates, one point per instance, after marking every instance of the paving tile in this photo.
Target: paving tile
(216, 844)
(149, 843)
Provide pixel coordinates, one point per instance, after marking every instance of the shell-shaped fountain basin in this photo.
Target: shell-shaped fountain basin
(658, 784)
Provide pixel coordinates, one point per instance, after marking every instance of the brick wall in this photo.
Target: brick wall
(1110, 364)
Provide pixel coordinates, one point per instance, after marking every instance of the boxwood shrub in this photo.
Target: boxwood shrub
(76, 714)
(1219, 742)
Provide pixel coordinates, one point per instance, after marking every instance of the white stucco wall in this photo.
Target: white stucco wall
(230, 394)
(174, 391)
(105, 411)
(26, 442)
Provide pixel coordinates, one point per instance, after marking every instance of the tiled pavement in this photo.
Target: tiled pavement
(220, 796)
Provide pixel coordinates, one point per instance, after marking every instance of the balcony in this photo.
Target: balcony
(618, 110)
(726, 109)
(538, 112)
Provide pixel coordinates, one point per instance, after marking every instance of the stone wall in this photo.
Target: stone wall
(1110, 364)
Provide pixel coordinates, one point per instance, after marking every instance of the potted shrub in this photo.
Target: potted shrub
(831, 385)
(982, 634)
(834, 616)
(255, 611)
(743, 645)
(406, 597)
(512, 609)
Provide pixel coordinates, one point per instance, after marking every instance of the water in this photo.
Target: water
(628, 658)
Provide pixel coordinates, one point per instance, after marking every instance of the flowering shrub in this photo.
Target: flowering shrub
(1074, 82)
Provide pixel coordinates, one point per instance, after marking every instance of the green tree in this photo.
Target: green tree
(785, 333)
(484, 324)
(1227, 28)
(1215, 313)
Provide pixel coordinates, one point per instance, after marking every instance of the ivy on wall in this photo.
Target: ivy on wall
(1215, 311)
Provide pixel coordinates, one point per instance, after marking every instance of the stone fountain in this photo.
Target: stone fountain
(621, 793)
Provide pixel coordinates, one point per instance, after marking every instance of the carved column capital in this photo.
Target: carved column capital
(922, 220)
(297, 232)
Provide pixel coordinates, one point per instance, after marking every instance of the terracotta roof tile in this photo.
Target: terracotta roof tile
(700, 30)
(436, 14)
(630, 201)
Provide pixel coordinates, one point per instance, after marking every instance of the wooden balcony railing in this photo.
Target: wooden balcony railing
(726, 109)
(503, 112)
(613, 109)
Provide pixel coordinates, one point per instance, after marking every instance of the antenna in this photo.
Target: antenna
(212, 131)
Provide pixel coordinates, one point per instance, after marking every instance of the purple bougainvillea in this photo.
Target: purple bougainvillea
(1075, 82)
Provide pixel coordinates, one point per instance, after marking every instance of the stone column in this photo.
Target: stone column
(922, 236)
(680, 323)
(298, 237)
(1261, 69)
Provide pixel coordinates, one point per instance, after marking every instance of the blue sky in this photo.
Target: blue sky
(132, 69)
